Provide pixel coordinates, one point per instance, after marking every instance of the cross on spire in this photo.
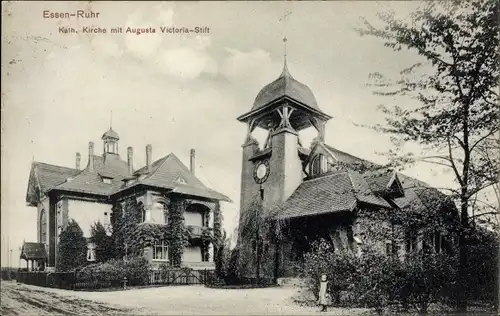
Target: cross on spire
(283, 19)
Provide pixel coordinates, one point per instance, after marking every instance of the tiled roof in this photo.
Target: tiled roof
(379, 179)
(285, 85)
(363, 191)
(334, 192)
(91, 181)
(49, 175)
(43, 177)
(33, 250)
(417, 193)
(110, 134)
(340, 191)
(168, 173)
(348, 158)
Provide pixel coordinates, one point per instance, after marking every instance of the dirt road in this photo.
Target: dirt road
(19, 299)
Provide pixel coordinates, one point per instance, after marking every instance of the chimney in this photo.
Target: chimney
(78, 158)
(91, 156)
(191, 161)
(130, 153)
(149, 151)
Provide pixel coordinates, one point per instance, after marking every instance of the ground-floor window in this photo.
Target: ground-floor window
(411, 241)
(438, 242)
(160, 252)
(392, 248)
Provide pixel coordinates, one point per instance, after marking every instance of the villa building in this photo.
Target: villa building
(88, 195)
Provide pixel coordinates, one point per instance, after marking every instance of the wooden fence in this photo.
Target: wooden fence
(9, 273)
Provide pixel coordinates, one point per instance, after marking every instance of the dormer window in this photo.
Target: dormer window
(319, 165)
(181, 180)
(106, 180)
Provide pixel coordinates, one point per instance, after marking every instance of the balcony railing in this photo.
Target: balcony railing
(197, 230)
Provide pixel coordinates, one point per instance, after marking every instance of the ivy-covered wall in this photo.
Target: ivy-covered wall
(131, 236)
(134, 238)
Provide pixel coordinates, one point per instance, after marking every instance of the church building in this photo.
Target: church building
(317, 191)
(88, 195)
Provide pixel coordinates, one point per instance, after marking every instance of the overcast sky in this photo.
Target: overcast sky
(180, 91)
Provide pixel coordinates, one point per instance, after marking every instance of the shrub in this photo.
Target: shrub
(72, 248)
(482, 266)
(136, 270)
(104, 246)
(339, 267)
(377, 281)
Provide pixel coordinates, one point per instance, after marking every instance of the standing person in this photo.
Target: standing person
(322, 292)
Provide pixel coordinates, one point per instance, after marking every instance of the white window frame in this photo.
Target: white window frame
(146, 216)
(164, 249)
(440, 238)
(90, 252)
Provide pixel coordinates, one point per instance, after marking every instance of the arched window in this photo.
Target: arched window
(43, 227)
(319, 165)
(159, 213)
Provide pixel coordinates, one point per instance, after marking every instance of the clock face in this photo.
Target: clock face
(261, 171)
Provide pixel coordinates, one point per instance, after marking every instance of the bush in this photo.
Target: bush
(339, 268)
(377, 281)
(482, 266)
(104, 248)
(427, 278)
(136, 270)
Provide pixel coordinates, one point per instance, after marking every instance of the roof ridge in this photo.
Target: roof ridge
(52, 165)
(161, 164)
(330, 148)
(37, 180)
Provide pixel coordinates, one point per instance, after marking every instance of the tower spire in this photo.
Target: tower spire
(283, 19)
(111, 119)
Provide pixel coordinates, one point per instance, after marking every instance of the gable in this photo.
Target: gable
(44, 177)
(169, 172)
(320, 160)
(33, 193)
(394, 187)
(385, 182)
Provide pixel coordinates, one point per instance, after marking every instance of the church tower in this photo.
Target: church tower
(283, 108)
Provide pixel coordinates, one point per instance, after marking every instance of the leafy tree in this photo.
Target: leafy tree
(72, 248)
(253, 232)
(219, 240)
(104, 246)
(455, 86)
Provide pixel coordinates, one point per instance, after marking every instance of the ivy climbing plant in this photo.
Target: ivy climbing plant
(179, 234)
(131, 236)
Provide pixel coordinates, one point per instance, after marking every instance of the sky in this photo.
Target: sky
(181, 91)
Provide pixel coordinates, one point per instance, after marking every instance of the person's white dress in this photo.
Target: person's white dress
(322, 293)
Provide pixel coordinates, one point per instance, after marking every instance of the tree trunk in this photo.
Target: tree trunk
(462, 247)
